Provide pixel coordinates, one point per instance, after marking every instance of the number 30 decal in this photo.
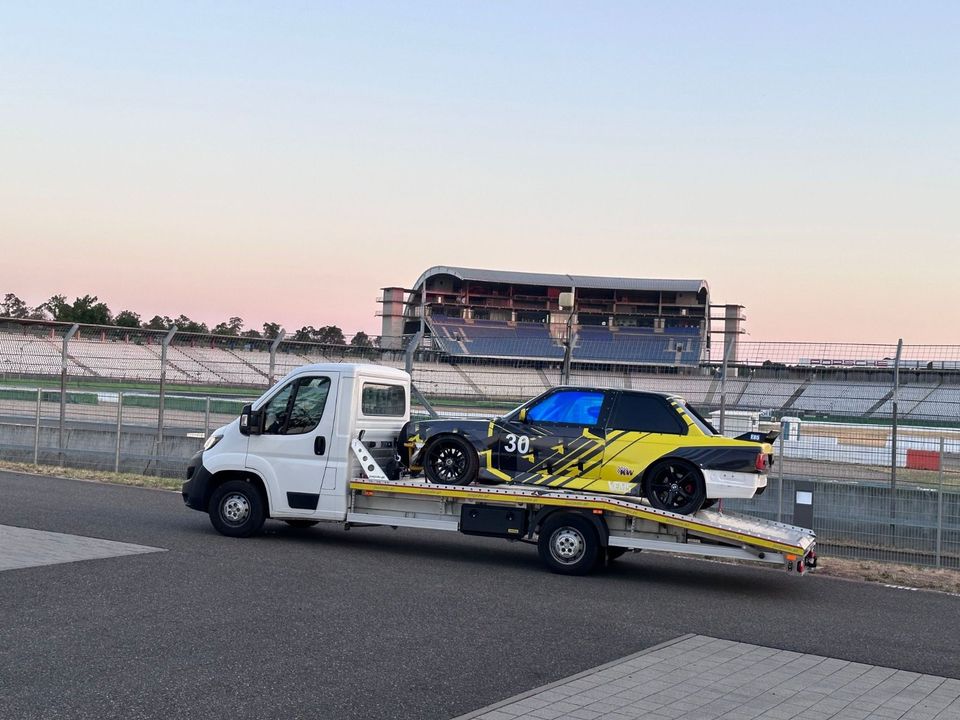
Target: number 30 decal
(519, 444)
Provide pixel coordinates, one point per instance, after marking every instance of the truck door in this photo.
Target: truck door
(291, 453)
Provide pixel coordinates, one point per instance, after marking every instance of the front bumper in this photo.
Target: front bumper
(195, 490)
(733, 485)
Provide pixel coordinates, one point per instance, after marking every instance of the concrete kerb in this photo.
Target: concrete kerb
(571, 678)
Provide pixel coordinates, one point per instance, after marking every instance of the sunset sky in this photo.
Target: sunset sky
(283, 161)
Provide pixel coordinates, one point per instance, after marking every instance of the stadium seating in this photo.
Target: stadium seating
(493, 338)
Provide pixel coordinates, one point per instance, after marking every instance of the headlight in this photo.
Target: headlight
(211, 441)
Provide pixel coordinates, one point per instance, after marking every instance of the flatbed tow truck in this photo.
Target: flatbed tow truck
(312, 450)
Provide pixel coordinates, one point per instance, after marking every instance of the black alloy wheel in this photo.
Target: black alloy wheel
(675, 486)
(451, 460)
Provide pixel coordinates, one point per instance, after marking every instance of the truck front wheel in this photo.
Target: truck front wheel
(568, 544)
(236, 509)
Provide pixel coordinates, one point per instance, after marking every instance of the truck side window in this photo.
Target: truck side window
(297, 408)
(385, 400)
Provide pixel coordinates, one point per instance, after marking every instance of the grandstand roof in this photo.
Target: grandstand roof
(560, 280)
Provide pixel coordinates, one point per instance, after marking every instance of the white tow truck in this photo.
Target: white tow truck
(320, 446)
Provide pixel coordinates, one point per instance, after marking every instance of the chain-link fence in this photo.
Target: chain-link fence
(874, 427)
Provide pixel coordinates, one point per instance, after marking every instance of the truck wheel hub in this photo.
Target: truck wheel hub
(235, 508)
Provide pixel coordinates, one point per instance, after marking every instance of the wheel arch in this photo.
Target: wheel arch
(652, 467)
(599, 524)
(433, 439)
(224, 476)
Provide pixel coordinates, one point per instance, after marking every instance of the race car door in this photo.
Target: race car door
(558, 442)
(641, 428)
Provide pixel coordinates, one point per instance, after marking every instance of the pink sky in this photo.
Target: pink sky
(284, 165)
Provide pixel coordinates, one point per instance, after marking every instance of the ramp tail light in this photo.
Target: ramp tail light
(597, 511)
(368, 493)
(761, 462)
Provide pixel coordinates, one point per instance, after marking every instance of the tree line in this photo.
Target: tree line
(88, 310)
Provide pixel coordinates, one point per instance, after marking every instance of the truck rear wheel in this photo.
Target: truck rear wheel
(236, 509)
(568, 544)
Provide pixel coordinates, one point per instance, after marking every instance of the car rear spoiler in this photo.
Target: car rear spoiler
(759, 437)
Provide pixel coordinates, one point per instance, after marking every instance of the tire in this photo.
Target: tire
(568, 544)
(298, 523)
(237, 509)
(451, 460)
(675, 486)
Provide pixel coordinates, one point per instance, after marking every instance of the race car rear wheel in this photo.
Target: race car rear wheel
(675, 486)
(450, 460)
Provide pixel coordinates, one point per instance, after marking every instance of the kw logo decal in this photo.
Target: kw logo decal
(624, 470)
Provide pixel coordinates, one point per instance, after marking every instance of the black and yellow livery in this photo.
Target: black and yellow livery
(596, 440)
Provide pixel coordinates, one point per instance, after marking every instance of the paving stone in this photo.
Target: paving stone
(24, 548)
(726, 680)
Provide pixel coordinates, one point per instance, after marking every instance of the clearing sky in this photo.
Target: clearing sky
(284, 161)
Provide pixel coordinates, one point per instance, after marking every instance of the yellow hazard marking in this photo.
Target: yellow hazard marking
(559, 449)
(638, 511)
(529, 458)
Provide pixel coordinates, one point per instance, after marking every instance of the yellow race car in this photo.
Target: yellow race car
(598, 440)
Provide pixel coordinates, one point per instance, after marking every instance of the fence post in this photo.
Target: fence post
(273, 355)
(36, 429)
(893, 442)
(206, 420)
(63, 386)
(163, 388)
(116, 455)
(940, 502)
(727, 348)
(780, 476)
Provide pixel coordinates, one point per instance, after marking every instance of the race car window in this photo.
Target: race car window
(645, 413)
(568, 407)
(297, 408)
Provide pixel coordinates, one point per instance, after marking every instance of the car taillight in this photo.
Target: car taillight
(761, 462)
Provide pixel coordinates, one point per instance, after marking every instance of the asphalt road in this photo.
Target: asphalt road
(376, 623)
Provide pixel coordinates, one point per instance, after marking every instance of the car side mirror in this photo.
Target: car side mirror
(522, 417)
(251, 421)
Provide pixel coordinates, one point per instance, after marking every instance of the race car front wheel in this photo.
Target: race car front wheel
(675, 486)
(451, 460)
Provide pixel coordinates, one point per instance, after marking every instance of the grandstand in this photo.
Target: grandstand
(466, 312)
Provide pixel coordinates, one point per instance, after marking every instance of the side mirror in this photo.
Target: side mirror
(250, 421)
(522, 417)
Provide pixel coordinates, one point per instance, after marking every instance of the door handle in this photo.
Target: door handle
(320, 445)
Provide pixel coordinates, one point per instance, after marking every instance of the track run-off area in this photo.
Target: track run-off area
(372, 622)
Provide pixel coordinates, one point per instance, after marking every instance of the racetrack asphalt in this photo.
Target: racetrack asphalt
(377, 623)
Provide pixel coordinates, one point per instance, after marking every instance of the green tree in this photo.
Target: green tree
(361, 339)
(158, 323)
(13, 307)
(251, 334)
(232, 327)
(127, 318)
(185, 324)
(84, 309)
(328, 335)
(271, 330)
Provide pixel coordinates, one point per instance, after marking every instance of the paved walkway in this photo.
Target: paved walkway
(23, 548)
(703, 678)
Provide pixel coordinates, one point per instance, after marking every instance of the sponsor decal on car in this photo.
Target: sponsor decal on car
(624, 470)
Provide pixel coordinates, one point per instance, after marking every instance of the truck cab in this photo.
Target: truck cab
(288, 455)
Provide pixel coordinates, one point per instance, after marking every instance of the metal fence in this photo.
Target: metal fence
(874, 427)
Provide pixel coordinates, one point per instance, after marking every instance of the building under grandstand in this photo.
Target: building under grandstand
(466, 312)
